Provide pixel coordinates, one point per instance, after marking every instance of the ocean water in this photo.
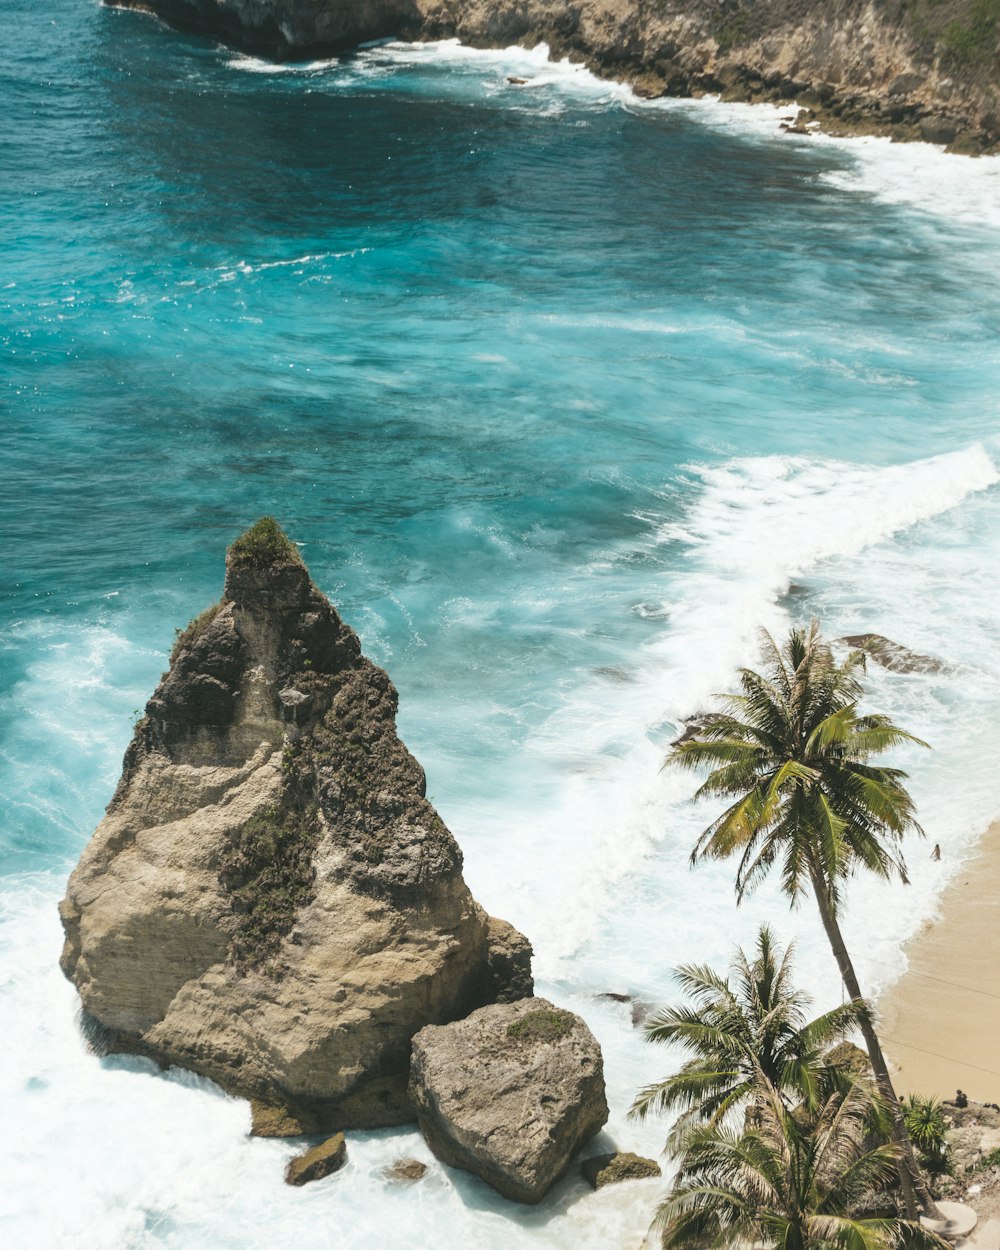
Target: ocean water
(564, 395)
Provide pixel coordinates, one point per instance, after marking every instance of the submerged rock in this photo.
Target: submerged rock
(312, 1165)
(405, 1171)
(892, 655)
(601, 1170)
(510, 1093)
(270, 900)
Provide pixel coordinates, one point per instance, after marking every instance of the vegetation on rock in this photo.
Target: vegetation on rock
(193, 630)
(542, 1025)
(262, 545)
(269, 874)
(925, 1124)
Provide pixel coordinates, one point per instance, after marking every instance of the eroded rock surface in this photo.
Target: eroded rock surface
(510, 1093)
(611, 1169)
(270, 900)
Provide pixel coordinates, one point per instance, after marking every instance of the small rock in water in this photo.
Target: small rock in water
(892, 655)
(516, 82)
(610, 996)
(405, 1171)
(601, 1170)
(313, 1165)
(614, 672)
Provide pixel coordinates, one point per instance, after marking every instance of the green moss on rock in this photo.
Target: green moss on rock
(269, 874)
(611, 1169)
(193, 630)
(263, 545)
(541, 1026)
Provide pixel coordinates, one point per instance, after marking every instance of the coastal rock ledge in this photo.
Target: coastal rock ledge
(270, 900)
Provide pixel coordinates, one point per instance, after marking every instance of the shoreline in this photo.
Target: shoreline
(940, 1022)
(859, 74)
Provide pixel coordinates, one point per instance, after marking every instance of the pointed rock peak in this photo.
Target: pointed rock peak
(264, 559)
(262, 546)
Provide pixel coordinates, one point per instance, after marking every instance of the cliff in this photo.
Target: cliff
(270, 900)
(911, 69)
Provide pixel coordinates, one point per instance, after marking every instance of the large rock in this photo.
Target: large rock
(511, 1093)
(270, 900)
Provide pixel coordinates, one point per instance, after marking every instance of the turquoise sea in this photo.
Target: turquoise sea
(563, 395)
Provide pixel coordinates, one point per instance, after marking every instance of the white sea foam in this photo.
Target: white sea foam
(755, 526)
(255, 65)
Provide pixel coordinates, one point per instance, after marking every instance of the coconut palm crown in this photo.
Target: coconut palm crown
(788, 1184)
(753, 1021)
(793, 751)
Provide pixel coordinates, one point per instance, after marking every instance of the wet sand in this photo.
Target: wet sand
(940, 1023)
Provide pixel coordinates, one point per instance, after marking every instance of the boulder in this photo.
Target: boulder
(313, 1165)
(270, 900)
(510, 1093)
(405, 1171)
(601, 1170)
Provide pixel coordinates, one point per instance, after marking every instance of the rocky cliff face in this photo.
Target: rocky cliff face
(912, 69)
(271, 900)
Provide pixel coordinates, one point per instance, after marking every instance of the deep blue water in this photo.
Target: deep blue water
(559, 392)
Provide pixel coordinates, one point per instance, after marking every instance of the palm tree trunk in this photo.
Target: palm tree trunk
(910, 1179)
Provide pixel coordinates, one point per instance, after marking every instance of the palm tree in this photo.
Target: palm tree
(818, 1185)
(792, 751)
(751, 1022)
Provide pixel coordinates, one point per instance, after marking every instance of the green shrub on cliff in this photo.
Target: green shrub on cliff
(262, 545)
(541, 1026)
(925, 1124)
(194, 629)
(269, 874)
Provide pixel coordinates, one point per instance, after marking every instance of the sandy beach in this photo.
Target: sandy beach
(940, 1023)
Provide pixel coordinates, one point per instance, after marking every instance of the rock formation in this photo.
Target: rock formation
(510, 1093)
(909, 70)
(270, 900)
(318, 1162)
(601, 1170)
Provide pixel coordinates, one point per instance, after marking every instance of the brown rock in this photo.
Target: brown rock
(601, 1170)
(510, 1093)
(270, 900)
(313, 1165)
(405, 1171)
